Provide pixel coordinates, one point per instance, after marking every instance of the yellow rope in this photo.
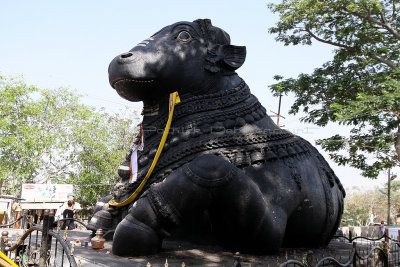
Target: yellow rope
(174, 99)
(6, 261)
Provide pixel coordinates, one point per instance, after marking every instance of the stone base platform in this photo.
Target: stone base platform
(176, 253)
(186, 254)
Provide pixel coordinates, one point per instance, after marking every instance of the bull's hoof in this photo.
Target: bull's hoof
(133, 238)
(100, 220)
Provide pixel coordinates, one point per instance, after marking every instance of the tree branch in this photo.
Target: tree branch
(395, 33)
(376, 150)
(393, 11)
(385, 24)
(397, 143)
(383, 19)
(388, 62)
(348, 48)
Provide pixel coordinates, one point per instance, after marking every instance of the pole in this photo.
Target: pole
(388, 201)
(44, 243)
(279, 110)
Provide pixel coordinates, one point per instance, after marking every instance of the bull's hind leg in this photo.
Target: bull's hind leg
(242, 220)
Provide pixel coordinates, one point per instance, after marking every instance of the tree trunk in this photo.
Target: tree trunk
(1, 186)
(397, 143)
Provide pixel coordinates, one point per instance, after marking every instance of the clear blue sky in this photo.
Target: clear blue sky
(70, 44)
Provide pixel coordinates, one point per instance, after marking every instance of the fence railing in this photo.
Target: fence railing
(382, 251)
(376, 256)
(39, 245)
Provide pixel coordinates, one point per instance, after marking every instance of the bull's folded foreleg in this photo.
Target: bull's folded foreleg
(160, 209)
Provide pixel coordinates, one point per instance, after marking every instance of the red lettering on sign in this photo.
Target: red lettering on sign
(29, 186)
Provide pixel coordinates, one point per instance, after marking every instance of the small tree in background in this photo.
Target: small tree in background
(49, 136)
(394, 200)
(360, 204)
(359, 87)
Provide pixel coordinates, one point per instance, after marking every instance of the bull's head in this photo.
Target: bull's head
(187, 56)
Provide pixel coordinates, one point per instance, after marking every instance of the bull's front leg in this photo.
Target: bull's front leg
(157, 212)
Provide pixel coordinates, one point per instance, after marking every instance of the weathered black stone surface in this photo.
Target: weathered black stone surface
(227, 170)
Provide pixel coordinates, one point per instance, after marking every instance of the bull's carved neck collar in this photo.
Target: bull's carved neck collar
(223, 97)
(226, 85)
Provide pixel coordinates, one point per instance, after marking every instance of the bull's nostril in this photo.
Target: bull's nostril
(126, 55)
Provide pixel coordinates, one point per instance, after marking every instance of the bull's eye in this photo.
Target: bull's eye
(184, 36)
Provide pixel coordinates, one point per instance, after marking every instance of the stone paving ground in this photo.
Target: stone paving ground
(186, 254)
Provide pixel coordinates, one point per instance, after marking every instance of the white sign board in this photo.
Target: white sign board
(46, 192)
(4, 204)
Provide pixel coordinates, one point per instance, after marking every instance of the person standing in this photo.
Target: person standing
(68, 213)
(75, 207)
(382, 226)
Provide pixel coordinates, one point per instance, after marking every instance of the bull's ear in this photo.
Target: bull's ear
(233, 56)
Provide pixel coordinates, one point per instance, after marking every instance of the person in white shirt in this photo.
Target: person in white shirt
(75, 207)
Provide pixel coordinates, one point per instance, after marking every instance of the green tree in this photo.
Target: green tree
(360, 205)
(394, 200)
(359, 87)
(49, 136)
(21, 143)
(101, 146)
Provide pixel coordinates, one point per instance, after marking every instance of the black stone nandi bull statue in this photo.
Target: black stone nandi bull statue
(225, 163)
